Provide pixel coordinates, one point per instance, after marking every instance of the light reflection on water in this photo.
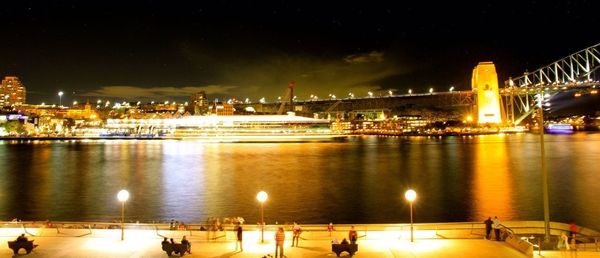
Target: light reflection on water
(361, 180)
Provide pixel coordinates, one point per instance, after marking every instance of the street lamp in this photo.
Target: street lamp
(60, 93)
(123, 195)
(544, 168)
(262, 197)
(410, 196)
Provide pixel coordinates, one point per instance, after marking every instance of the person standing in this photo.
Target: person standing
(296, 233)
(239, 238)
(279, 240)
(563, 244)
(497, 227)
(330, 228)
(352, 235)
(488, 227)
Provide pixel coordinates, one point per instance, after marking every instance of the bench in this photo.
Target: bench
(339, 248)
(27, 245)
(174, 248)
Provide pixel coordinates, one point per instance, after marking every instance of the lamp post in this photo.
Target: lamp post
(60, 93)
(544, 169)
(410, 196)
(262, 197)
(123, 195)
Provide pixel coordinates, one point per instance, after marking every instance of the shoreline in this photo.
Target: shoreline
(282, 138)
(518, 227)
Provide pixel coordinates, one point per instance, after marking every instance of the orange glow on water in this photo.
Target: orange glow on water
(492, 183)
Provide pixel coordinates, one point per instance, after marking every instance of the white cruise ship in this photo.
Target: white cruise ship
(253, 128)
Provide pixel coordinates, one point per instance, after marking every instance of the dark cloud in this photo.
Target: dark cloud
(268, 75)
(155, 93)
(372, 57)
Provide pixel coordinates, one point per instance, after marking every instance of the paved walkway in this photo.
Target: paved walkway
(145, 243)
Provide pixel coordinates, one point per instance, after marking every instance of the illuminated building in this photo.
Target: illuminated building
(199, 103)
(12, 92)
(82, 113)
(221, 109)
(485, 84)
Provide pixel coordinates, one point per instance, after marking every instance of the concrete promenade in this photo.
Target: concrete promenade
(375, 243)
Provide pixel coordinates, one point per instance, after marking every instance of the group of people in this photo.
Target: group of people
(565, 243)
(568, 243)
(280, 238)
(297, 230)
(352, 235)
(184, 241)
(495, 223)
(176, 225)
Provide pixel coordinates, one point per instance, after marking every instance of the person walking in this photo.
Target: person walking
(330, 228)
(352, 235)
(488, 227)
(497, 227)
(239, 238)
(296, 230)
(279, 240)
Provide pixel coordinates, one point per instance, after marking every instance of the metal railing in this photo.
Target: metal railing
(586, 239)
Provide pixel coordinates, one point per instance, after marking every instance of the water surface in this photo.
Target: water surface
(360, 180)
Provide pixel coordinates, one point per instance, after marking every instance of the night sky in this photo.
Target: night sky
(166, 50)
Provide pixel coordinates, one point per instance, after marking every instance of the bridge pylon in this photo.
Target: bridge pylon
(485, 83)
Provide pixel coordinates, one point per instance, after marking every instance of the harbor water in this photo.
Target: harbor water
(358, 180)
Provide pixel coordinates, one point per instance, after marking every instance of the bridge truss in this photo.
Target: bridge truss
(578, 72)
(455, 100)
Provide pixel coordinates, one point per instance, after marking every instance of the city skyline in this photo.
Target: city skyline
(153, 51)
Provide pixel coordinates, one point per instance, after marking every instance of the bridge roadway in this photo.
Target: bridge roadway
(142, 240)
(454, 99)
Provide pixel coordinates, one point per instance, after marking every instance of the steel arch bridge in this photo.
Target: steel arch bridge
(579, 72)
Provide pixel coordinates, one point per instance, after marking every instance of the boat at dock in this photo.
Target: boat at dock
(256, 128)
(559, 128)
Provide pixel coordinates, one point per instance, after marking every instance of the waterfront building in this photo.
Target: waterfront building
(199, 104)
(12, 92)
(485, 83)
(82, 113)
(221, 109)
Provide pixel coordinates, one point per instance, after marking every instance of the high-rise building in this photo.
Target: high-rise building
(12, 92)
(199, 103)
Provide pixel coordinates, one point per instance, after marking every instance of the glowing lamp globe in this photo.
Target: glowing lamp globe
(262, 196)
(123, 195)
(410, 195)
